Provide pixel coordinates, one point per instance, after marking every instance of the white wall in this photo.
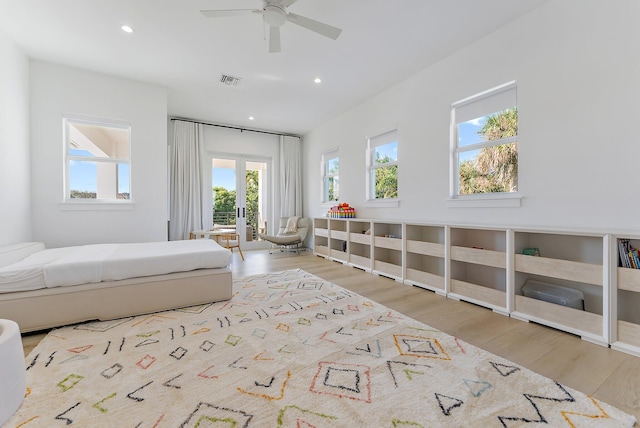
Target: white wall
(222, 142)
(58, 90)
(15, 193)
(577, 67)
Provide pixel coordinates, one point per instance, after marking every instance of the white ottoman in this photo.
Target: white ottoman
(13, 373)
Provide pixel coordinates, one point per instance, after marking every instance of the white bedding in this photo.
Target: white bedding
(108, 262)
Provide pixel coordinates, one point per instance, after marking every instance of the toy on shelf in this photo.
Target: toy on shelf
(342, 211)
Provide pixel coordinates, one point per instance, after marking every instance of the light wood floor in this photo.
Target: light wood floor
(608, 375)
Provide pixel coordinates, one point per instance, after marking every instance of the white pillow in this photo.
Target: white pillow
(10, 254)
(292, 225)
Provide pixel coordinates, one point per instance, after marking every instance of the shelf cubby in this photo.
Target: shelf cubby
(387, 249)
(564, 260)
(627, 316)
(478, 262)
(360, 244)
(359, 227)
(388, 263)
(338, 240)
(425, 252)
(321, 237)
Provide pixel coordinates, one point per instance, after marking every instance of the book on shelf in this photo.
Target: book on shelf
(635, 258)
(629, 257)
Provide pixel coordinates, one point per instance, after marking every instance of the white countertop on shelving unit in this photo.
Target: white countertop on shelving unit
(618, 233)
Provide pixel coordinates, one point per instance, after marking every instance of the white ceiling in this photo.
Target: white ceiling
(175, 46)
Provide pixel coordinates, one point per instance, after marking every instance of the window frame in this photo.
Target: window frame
(84, 203)
(377, 140)
(497, 199)
(325, 176)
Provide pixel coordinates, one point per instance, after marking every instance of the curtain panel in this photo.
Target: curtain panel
(290, 176)
(186, 187)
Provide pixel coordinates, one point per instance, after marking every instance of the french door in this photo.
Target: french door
(240, 197)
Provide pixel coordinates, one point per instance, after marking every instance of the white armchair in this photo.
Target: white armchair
(288, 241)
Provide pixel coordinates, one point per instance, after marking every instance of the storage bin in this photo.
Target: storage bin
(554, 294)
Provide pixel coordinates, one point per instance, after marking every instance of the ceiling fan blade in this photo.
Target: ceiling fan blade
(287, 3)
(228, 12)
(316, 26)
(274, 39)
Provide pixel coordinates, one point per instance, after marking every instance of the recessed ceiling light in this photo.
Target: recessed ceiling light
(127, 28)
(251, 117)
(317, 80)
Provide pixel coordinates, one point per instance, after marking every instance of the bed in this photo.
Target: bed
(43, 288)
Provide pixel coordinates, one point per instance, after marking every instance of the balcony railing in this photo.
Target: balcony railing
(222, 218)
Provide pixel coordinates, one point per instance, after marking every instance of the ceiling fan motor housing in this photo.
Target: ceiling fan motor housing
(274, 16)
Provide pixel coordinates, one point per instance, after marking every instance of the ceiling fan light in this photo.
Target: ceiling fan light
(274, 16)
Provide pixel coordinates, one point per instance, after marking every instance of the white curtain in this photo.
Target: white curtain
(187, 208)
(290, 177)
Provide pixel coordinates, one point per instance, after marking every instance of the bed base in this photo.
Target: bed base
(53, 307)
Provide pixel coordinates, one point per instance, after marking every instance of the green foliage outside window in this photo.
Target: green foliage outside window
(386, 179)
(224, 204)
(331, 180)
(495, 168)
(253, 194)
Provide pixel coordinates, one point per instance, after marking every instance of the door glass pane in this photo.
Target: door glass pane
(256, 199)
(223, 178)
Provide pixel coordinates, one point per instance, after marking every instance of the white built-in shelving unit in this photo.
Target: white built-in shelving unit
(487, 266)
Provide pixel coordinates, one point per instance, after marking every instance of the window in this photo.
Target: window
(382, 166)
(484, 143)
(330, 176)
(97, 160)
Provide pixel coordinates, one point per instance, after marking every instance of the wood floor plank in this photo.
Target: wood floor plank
(608, 375)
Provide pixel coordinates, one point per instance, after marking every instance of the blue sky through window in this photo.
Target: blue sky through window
(389, 149)
(224, 177)
(83, 176)
(123, 178)
(468, 134)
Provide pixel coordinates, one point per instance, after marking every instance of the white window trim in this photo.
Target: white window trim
(382, 203)
(479, 200)
(69, 204)
(486, 200)
(375, 202)
(91, 205)
(329, 154)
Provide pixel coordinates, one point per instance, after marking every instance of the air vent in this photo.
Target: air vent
(229, 80)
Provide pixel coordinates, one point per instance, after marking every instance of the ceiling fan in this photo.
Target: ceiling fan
(274, 14)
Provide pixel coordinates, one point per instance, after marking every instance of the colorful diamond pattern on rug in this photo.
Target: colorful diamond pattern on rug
(288, 350)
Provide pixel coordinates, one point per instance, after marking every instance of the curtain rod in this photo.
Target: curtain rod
(232, 127)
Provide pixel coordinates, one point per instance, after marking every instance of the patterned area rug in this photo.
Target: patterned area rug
(288, 350)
